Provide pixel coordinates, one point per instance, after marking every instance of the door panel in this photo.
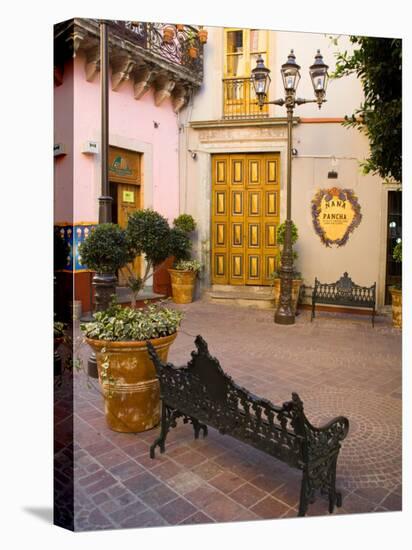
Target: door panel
(245, 215)
(128, 201)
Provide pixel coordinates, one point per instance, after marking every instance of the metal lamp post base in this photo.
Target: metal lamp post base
(284, 317)
(104, 289)
(92, 366)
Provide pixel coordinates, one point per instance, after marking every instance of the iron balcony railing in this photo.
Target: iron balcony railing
(239, 100)
(183, 48)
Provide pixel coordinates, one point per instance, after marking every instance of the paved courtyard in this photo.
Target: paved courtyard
(338, 364)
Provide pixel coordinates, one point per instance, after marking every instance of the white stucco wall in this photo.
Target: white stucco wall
(364, 254)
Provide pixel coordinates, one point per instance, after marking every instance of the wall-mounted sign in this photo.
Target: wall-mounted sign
(128, 196)
(124, 166)
(335, 214)
(90, 147)
(59, 149)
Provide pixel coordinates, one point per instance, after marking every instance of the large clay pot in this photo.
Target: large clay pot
(296, 284)
(396, 294)
(161, 277)
(183, 285)
(132, 401)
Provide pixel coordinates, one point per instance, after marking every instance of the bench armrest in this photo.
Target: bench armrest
(325, 438)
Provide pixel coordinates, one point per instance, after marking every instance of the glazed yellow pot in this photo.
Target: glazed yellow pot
(396, 294)
(132, 399)
(296, 284)
(183, 285)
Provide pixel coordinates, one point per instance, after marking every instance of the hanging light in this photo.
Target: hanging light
(290, 73)
(261, 80)
(319, 76)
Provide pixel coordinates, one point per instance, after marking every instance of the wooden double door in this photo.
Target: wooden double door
(245, 216)
(125, 189)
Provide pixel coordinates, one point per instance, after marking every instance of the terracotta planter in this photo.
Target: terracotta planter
(296, 284)
(183, 285)
(132, 401)
(202, 36)
(168, 34)
(193, 52)
(396, 294)
(161, 277)
(180, 27)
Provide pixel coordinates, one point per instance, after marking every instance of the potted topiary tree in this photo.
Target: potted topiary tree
(106, 250)
(149, 235)
(127, 376)
(297, 278)
(396, 291)
(184, 271)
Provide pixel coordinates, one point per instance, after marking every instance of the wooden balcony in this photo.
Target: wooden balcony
(239, 100)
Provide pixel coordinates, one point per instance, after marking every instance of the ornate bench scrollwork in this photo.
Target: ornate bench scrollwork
(203, 395)
(344, 292)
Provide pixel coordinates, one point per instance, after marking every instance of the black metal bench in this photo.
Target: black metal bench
(202, 394)
(344, 292)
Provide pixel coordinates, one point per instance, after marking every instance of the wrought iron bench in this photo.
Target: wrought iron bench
(344, 293)
(202, 394)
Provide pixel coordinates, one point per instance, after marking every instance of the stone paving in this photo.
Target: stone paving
(338, 364)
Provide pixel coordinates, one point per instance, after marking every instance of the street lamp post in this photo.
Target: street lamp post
(104, 283)
(285, 314)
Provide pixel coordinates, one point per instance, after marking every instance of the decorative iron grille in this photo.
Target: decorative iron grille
(184, 48)
(239, 100)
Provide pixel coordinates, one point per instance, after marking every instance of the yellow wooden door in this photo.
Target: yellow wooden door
(245, 214)
(128, 201)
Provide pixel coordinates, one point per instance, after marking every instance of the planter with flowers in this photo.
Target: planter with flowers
(297, 278)
(127, 376)
(183, 276)
(184, 271)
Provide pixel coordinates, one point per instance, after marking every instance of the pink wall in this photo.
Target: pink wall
(63, 133)
(129, 119)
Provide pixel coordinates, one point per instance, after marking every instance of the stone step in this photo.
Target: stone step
(254, 297)
(247, 289)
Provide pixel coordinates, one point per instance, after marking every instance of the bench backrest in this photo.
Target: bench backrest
(344, 292)
(204, 391)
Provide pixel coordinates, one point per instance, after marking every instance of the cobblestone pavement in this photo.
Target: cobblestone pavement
(338, 364)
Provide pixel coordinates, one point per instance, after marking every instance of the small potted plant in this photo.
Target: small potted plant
(297, 278)
(168, 34)
(202, 34)
(183, 277)
(192, 47)
(396, 291)
(184, 271)
(119, 338)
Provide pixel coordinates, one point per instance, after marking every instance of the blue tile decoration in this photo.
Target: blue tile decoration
(74, 236)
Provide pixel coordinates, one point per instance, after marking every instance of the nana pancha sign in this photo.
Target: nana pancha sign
(335, 214)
